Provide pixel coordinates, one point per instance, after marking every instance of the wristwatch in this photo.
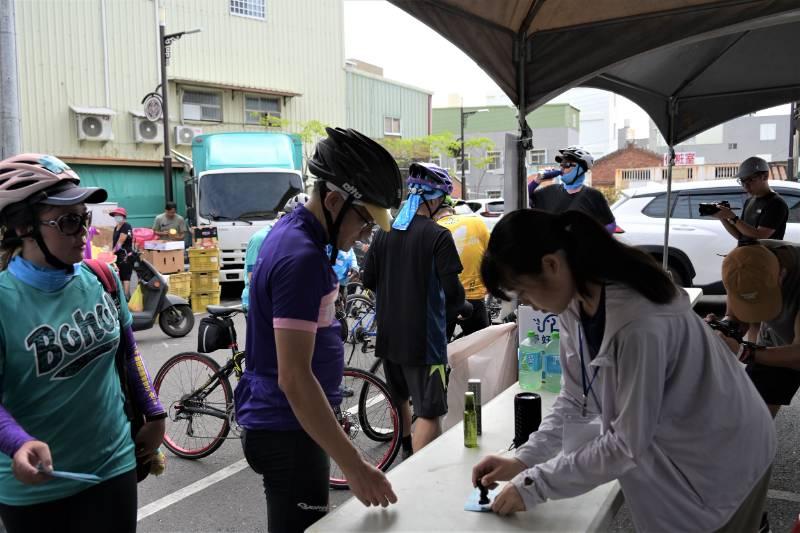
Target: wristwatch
(746, 353)
(733, 220)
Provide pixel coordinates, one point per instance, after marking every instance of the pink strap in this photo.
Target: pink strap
(103, 272)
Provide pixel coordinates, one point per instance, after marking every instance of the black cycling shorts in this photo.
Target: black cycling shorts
(296, 474)
(426, 385)
(776, 385)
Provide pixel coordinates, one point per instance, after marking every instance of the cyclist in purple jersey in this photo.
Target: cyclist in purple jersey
(295, 356)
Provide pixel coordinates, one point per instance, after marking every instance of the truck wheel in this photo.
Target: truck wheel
(176, 321)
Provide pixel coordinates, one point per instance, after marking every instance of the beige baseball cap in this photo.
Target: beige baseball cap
(751, 276)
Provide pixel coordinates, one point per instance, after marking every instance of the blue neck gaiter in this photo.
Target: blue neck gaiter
(44, 279)
(574, 179)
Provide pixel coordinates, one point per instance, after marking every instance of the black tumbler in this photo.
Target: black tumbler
(527, 416)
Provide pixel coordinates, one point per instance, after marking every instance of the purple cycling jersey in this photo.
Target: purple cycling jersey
(293, 287)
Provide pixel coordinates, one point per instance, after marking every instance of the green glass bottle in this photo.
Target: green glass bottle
(470, 421)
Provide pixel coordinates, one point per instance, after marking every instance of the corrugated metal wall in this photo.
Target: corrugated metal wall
(370, 99)
(298, 48)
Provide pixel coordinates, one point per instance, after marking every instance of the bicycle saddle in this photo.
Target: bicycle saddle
(222, 311)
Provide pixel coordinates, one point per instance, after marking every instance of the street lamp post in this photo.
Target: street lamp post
(166, 40)
(464, 115)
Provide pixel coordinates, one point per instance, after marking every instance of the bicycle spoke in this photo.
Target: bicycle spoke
(190, 399)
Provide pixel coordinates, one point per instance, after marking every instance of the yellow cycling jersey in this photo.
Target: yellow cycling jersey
(471, 237)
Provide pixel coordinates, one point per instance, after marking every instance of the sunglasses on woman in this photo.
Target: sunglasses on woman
(70, 224)
(568, 164)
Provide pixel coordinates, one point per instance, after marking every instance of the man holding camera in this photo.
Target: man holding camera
(764, 213)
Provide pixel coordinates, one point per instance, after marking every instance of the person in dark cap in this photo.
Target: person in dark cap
(764, 213)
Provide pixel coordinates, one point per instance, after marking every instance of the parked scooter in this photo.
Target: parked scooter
(174, 314)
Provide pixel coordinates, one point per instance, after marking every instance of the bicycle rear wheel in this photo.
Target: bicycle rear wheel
(366, 403)
(197, 405)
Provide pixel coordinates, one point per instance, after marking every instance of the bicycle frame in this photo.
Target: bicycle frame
(232, 365)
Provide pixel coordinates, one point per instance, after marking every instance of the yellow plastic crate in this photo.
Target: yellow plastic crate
(180, 285)
(202, 299)
(205, 281)
(203, 259)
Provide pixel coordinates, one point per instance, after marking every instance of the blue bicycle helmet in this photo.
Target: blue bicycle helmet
(430, 176)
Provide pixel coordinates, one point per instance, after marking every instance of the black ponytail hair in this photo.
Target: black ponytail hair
(521, 238)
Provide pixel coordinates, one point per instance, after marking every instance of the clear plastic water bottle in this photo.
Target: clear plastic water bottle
(530, 362)
(552, 364)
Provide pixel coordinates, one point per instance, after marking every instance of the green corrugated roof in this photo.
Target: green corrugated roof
(504, 118)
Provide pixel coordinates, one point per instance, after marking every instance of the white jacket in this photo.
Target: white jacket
(683, 429)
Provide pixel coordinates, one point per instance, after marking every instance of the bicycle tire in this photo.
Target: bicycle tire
(172, 389)
(383, 411)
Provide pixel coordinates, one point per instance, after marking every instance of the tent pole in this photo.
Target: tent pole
(668, 209)
(522, 173)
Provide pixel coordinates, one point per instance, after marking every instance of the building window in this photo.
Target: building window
(258, 108)
(732, 146)
(466, 165)
(537, 157)
(391, 126)
(249, 8)
(200, 105)
(495, 163)
(768, 132)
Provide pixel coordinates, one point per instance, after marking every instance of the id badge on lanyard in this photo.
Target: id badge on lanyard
(580, 429)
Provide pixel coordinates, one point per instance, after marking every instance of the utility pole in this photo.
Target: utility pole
(464, 192)
(464, 116)
(10, 122)
(168, 196)
(165, 40)
(794, 122)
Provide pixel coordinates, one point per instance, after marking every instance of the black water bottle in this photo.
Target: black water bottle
(527, 416)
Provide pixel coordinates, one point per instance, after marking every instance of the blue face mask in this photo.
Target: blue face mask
(44, 279)
(574, 179)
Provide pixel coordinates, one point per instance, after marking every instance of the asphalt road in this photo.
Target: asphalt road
(187, 499)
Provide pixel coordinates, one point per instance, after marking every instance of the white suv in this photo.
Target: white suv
(697, 243)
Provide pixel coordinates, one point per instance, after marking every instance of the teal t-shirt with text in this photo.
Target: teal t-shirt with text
(60, 383)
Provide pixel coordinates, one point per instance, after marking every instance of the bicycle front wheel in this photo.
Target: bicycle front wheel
(198, 401)
(366, 403)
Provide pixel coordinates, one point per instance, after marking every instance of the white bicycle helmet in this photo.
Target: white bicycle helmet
(300, 199)
(577, 153)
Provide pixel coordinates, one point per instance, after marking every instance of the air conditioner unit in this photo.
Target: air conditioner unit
(94, 128)
(185, 134)
(93, 123)
(147, 132)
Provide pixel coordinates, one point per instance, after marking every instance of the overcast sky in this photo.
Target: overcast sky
(412, 53)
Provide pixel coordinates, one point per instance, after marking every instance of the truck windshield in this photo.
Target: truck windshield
(246, 195)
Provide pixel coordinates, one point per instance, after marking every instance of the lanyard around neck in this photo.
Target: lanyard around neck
(586, 382)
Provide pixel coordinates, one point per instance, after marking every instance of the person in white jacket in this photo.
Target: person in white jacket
(650, 397)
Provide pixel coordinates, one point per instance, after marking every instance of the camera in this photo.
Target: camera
(728, 328)
(708, 208)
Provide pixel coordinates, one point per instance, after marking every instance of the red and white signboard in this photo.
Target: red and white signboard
(681, 158)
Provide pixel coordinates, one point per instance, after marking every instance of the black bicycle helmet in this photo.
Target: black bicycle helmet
(359, 166)
(361, 169)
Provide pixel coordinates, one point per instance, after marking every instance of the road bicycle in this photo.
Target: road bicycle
(197, 394)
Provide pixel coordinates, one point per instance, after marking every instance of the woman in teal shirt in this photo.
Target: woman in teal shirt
(61, 404)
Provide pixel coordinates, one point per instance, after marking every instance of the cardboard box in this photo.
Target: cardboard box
(104, 238)
(164, 245)
(166, 262)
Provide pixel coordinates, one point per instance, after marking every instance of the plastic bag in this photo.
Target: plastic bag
(136, 302)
